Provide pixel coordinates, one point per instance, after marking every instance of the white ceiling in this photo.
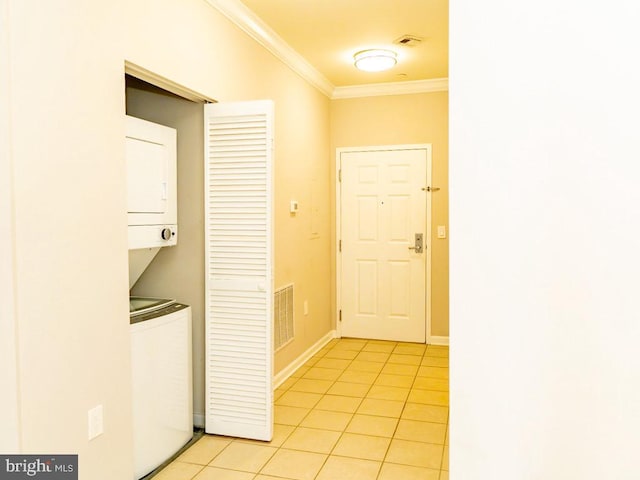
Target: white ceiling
(328, 32)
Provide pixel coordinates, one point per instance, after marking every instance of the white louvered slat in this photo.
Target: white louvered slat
(239, 310)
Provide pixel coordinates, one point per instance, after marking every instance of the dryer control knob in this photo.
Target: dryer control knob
(166, 233)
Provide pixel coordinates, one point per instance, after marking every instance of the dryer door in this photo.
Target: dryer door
(151, 173)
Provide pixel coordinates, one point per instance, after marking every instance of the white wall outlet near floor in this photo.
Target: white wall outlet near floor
(305, 307)
(96, 426)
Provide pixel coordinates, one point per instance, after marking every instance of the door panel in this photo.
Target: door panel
(383, 279)
(367, 287)
(239, 269)
(367, 218)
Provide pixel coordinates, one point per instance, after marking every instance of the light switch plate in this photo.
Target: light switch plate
(442, 231)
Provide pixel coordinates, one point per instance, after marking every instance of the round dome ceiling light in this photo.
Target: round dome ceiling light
(375, 60)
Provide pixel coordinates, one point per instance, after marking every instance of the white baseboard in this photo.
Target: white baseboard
(198, 420)
(286, 372)
(433, 340)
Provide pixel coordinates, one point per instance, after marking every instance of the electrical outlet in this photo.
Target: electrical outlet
(96, 426)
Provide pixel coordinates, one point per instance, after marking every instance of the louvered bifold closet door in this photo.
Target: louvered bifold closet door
(239, 283)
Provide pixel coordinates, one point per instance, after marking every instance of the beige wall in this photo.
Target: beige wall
(301, 171)
(9, 439)
(67, 131)
(405, 119)
(70, 231)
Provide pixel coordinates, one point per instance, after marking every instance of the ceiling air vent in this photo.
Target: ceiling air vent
(408, 40)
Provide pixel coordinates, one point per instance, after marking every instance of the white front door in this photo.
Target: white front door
(383, 213)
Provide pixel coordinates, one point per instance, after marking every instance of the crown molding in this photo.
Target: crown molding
(391, 88)
(238, 13)
(251, 24)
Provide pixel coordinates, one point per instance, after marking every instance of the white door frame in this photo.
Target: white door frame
(375, 148)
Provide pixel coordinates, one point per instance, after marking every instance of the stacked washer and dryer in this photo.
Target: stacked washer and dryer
(160, 328)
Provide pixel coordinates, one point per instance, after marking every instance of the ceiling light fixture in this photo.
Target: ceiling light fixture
(375, 60)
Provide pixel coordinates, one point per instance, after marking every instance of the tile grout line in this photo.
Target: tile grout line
(312, 409)
(350, 420)
(395, 430)
(351, 415)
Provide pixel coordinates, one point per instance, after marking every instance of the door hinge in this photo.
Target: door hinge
(340, 315)
(339, 245)
(340, 175)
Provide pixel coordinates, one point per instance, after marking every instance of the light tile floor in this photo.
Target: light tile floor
(358, 410)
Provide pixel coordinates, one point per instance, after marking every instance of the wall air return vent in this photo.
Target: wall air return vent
(408, 41)
(283, 316)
